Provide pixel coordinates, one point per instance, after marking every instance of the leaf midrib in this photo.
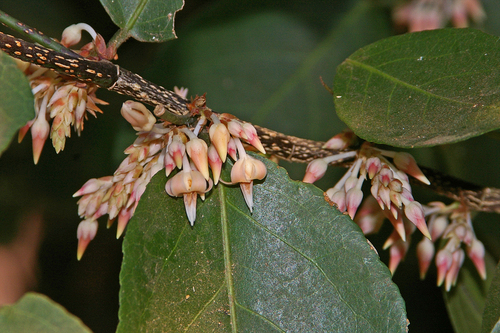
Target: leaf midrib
(373, 70)
(227, 257)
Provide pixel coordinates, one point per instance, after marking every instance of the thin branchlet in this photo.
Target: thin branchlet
(34, 34)
(114, 78)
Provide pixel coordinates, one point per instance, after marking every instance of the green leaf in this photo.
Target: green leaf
(16, 100)
(264, 64)
(465, 302)
(296, 264)
(38, 313)
(422, 89)
(491, 315)
(145, 20)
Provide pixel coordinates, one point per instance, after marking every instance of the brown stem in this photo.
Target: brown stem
(110, 76)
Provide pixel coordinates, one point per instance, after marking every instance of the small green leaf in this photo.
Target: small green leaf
(38, 313)
(16, 100)
(422, 89)
(145, 20)
(295, 264)
(491, 315)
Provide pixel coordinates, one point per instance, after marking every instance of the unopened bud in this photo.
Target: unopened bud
(72, 34)
(198, 151)
(141, 119)
(405, 162)
(219, 136)
(315, 170)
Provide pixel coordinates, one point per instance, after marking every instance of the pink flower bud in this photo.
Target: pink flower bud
(415, 213)
(385, 176)
(177, 149)
(219, 136)
(476, 253)
(396, 198)
(141, 119)
(353, 199)
(23, 130)
(338, 198)
(215, 163)
(452, 274)
(39, 133)
(405, 162)
(369, 217)
(315, 170)
(341, 140)
(198, 151)
(86, 232)
(235, 127)
(385, 196)
(169, 164)
(393, 238)
(425, 253)
(350, 183)
(92, 185)
(124, 216)
(231, 149)
(252, 137)
(444, 259)
(397, 223)
(373, 166)
(397, 253)
(437, 226)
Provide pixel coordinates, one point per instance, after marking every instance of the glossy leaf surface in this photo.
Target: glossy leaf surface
(37, 313)
(296, 264)
(422, 89)
(145, 20)
(16, 100)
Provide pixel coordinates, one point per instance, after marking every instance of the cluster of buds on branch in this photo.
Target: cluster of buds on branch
(391, 198)
(65, 103)
(452, 224)
(420, 15)
(162, 145)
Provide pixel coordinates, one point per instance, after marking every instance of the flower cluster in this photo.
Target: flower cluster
(391, 198)
(166, 146)
(63, 102)
(452, 224)
(389, 184)
(420, 15)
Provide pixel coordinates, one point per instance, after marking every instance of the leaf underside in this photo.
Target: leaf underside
(16, 100)
(145, 20)
(296, 264)
(422, 89)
